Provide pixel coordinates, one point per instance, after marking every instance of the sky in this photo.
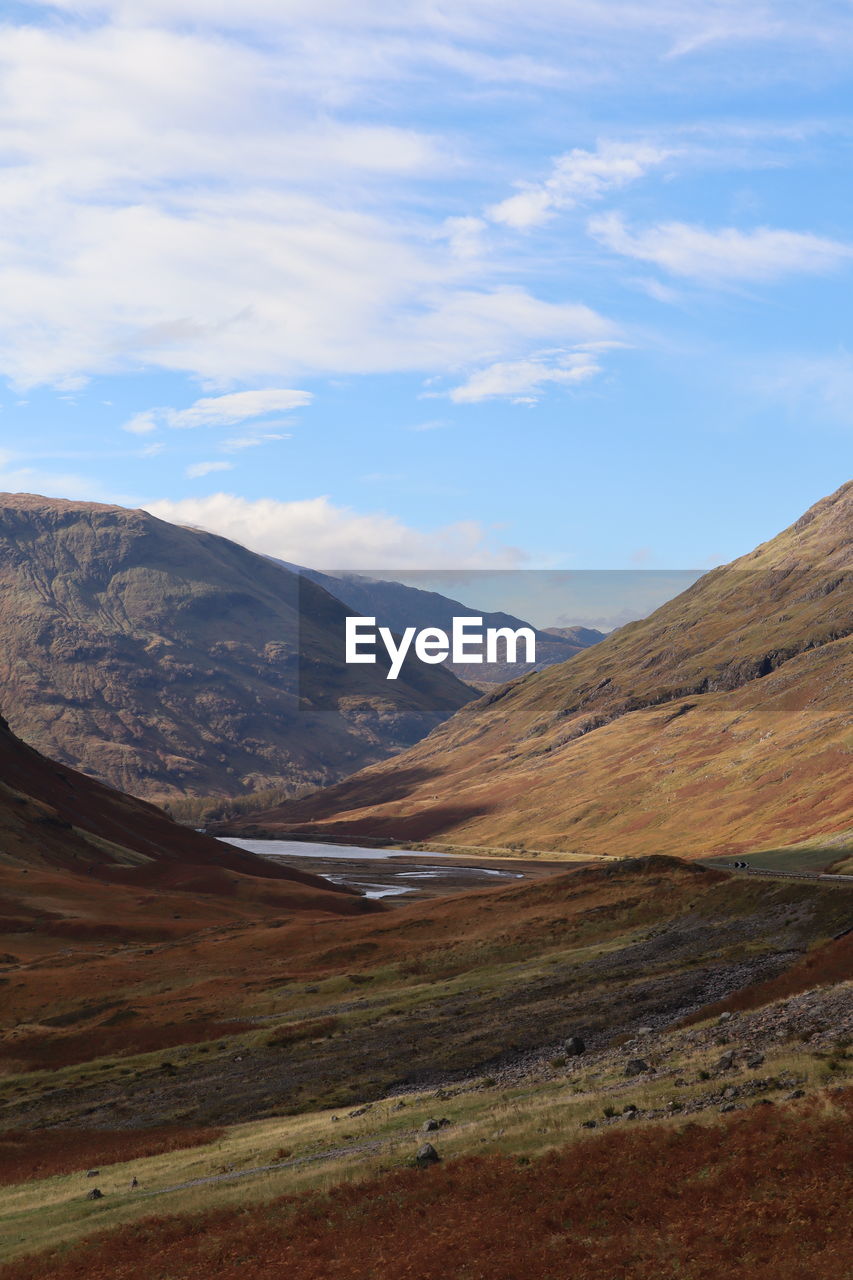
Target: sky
(468, 285)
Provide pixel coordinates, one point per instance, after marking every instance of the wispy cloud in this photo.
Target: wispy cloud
(223, 411)
(226, 411)
(237, 443)
(812, 387)
(525, 381)
(199, 469)
(578, 177)
(317, 533)
(431, 424)
(722, 256)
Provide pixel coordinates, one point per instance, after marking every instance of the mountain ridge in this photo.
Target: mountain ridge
(169, 661)
(569, 757)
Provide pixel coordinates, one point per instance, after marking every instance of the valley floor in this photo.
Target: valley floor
(702, 1127)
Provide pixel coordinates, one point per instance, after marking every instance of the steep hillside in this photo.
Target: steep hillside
(168, 661)
(80, 861)
(720, 723)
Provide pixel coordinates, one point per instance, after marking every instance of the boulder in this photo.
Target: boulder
(636, 1067)
(574, 1047)
(727, 1061)
(95, 1194)
(426, 1155)
(754, 1060)
(429, 1126)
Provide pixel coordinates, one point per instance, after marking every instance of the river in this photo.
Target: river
(381, 873)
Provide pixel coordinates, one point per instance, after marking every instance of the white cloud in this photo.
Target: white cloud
(199, 469)
(722, 256)
(17, 479)
(226, 411)
(465, 236)
(185, 200)
(237, 443)
(141, 424)
(578, 177)
(525, 381)
(317, 533)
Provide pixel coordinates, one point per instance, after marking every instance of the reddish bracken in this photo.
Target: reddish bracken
(764, 1196)
(27, 1155)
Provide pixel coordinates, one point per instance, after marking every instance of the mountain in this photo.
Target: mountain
(720, 723)
(579, 637)
(168, 661)
(81, 861)
(398, 605)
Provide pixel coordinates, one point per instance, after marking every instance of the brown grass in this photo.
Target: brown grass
(763, 1196)
(27, 1155)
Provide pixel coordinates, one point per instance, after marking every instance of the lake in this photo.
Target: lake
(381, 873)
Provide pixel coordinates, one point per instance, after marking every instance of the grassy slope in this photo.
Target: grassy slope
(431, 988)
(719, 724)
(335, 1011)
(762, 1193)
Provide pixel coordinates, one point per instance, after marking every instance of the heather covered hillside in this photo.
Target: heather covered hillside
(718, 724)
(83, 864)
(166, 661)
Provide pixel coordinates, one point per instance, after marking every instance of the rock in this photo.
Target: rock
(795, 1093)
(629, 1109)
(92, 1173)
(754, 1060)
(427, 1155)
(429, 1126)
(95, 1194)
(727, 1061)
(359, 1111)
(728, 1106)
(725, 1016)
(731, 1092)
(636, 1067)
(645, 1031)
(589, 1124)
(574, 1047)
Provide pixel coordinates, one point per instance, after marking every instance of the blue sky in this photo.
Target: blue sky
(396, 285)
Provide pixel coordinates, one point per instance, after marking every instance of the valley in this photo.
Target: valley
(515, 951)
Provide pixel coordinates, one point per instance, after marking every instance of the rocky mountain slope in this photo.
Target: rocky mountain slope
(168, 661)
(720, 723)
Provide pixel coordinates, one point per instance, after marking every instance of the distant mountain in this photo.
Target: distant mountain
(720, 723)
(168, 661)
(79, 860)
(582, 637)
(398, 605)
